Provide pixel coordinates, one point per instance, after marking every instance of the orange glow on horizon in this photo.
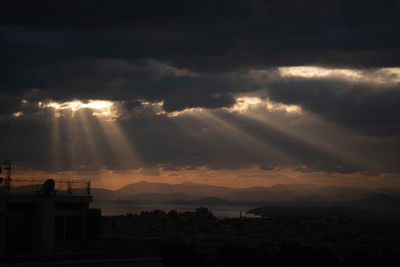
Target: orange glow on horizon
(251, 176)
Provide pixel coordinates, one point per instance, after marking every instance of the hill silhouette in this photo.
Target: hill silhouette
(280, 194)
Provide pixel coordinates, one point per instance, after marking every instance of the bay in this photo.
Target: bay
(110, 208)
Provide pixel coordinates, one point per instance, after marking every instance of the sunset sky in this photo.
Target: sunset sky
(233, 92)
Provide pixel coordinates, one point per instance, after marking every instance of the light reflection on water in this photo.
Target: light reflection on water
(115, 208)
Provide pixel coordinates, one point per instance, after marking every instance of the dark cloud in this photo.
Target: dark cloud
(197, 54)
(224, 140)
(207, 35)
(373, 109)
(67, 46)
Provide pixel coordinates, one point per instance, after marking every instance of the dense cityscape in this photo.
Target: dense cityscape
(200, 239)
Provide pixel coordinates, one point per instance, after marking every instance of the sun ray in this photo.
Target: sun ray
(319, 142)
(81, 138)
(241, 138)
(71, 128)
(192, 128)
(55, 141)
(120, 144)
(89, 135)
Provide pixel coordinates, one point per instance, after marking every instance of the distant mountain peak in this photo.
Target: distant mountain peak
(142, 182)
(189, 183)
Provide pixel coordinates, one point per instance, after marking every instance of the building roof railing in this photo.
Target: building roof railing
(35, 186)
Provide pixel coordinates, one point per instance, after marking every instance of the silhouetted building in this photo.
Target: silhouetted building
(36, 219)
(50, 222)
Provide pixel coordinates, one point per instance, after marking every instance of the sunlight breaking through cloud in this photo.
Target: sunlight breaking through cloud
(99, 108)
(243, 104)
(185, 112)
(313, 72)
(18, 114)
(380, 75)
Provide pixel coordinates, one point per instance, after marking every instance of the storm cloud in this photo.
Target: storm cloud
(154, 59)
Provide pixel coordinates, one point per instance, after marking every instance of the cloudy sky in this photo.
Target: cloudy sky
(228, 92)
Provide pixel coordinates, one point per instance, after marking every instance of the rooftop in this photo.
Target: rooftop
(16, 186)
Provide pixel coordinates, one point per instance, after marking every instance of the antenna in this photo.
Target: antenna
(7, 164)
(7, 181)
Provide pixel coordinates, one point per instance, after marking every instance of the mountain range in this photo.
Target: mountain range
(280, 194)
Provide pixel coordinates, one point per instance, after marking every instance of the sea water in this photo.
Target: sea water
(221, 211)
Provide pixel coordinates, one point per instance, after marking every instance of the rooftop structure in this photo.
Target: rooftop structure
(20, 186)
(46, 222)
(38, 215)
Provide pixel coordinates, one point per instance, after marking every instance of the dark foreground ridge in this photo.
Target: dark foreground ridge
(289, 236)
(49, 225)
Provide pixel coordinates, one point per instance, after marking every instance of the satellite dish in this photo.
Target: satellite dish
(48, 187)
